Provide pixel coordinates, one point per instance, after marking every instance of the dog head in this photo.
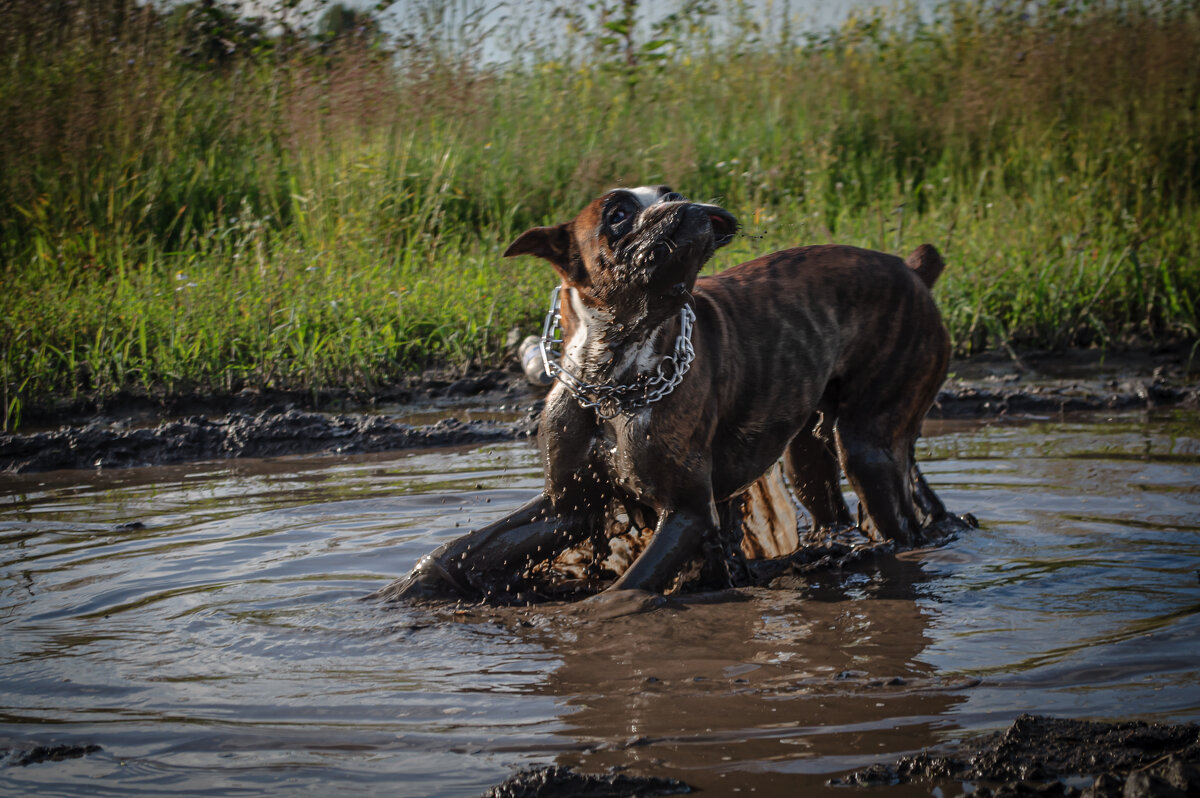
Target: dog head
(634, 251)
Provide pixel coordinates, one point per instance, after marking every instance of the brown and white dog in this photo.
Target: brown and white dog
(829, 356)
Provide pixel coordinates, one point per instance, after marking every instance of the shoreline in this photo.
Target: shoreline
(136, 431)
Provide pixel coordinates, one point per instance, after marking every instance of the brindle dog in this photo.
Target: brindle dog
(825, 355)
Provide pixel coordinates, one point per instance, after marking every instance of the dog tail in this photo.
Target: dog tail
(927, 263)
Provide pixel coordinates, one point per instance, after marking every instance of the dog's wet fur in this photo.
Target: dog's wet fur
(826, 356)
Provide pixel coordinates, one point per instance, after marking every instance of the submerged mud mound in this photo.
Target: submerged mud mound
(270, 433)
(50, 752)
(1125, 760)
(560, 782)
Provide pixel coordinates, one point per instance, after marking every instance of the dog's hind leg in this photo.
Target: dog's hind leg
(927, 501)
(878, 470)
(878, 421)
(812, 467)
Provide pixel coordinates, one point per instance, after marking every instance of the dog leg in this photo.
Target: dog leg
(813, 469)
(677, 538)
(499, 552)
(877, 428)
(928, 502)
(879, 474)
(724, 560)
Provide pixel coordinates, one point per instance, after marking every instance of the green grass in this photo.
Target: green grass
(301, 218)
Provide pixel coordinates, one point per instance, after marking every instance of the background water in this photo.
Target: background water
(224, 648)
(497, 32)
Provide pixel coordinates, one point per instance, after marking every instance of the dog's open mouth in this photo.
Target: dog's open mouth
(724, 226)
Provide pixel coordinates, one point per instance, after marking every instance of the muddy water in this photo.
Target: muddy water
(222, 647)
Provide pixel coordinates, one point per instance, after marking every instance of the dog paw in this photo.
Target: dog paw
(428, 581)
(618, 603)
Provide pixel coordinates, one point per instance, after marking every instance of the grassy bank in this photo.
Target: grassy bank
(176, 216)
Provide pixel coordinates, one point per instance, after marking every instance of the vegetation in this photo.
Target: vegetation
(190, 201)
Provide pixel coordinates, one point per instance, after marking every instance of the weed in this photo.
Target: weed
(305, 215)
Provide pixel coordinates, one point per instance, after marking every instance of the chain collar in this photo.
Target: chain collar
(611, 400)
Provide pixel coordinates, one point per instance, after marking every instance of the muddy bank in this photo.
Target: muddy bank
(560, 782)
(258, 425)
(1057, 757)
(271, 433)
(1045, 383)
(141, 407)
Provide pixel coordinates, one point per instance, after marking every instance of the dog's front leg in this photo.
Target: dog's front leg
(495, 557)
(491, 557)
(677, 538)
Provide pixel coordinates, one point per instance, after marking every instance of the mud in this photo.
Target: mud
(845, 548)
(1042, 383)
(127, 431)
(433, 386)
(271, 433)
(37, 754)
(556, 782)
(1041, 756)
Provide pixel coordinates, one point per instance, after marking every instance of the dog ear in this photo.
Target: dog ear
(552, 244)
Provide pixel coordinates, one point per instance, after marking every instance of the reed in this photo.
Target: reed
(283, 214)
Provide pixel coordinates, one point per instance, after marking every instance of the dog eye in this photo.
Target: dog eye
(617, 215)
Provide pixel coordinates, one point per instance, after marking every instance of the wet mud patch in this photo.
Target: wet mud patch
(973, 400)
(271, 433)
(1041, 383)
(429, 388)
(1036, 755)
(561, 782)
(25, 755)
(840, 549)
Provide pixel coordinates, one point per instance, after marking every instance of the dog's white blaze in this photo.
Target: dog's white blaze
(646, 356)
(588, 344)
(647, 195)
(587, 337)
(641, 359)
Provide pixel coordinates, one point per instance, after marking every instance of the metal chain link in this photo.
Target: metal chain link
(607, 400)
